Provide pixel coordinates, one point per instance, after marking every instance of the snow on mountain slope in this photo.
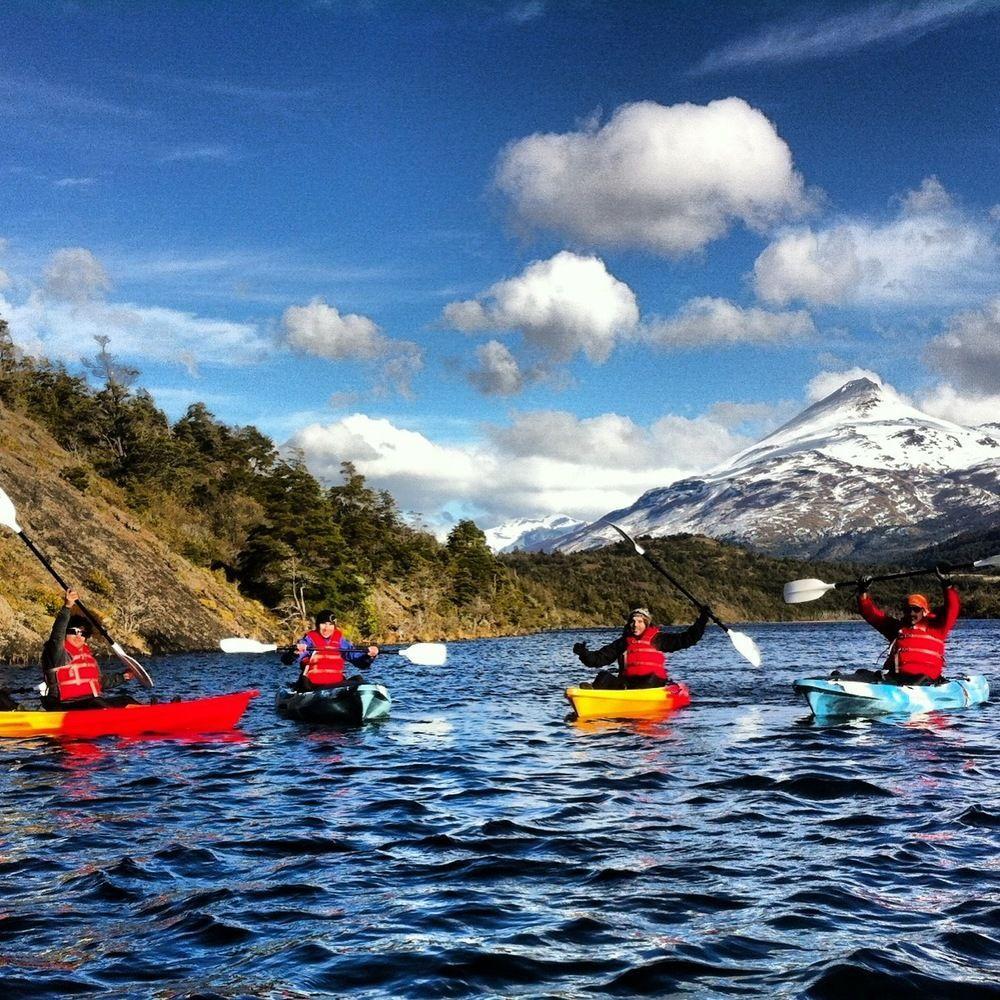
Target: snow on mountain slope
(533, 534)
(860, 474)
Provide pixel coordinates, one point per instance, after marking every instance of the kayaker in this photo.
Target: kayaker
(72, 674)
(322, 653)
(917, 638)
(639, 651)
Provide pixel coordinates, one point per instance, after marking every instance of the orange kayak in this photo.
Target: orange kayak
(200, 715)
(638, 703)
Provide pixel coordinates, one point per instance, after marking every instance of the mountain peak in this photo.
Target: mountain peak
(860, 469)
(854, 399)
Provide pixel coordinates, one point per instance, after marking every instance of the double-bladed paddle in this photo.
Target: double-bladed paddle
(742, 643)
(424, 654)
(800, 591)
(8, 518)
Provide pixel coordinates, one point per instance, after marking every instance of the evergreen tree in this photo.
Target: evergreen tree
(473, 567)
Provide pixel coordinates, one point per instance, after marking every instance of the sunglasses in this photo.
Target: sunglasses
(77, 631)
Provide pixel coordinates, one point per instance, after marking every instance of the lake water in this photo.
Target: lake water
(477, 843)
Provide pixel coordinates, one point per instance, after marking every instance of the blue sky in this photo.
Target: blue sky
(510, 258)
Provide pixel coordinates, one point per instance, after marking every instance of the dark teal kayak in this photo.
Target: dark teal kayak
(836, 697)
(346, 705)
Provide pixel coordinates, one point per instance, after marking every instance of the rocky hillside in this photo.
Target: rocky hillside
(152, 599)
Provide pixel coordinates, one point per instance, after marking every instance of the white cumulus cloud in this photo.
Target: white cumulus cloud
(542, 463)
(667, 179)
(968, 351)
(949, 403)
(75, 275)
(567, 304)
(497, 372)
(323, 331)
(707, 320)
(320, 329)
(928, 254)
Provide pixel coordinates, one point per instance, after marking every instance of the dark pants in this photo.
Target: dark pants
(608, 680)
(878, 677)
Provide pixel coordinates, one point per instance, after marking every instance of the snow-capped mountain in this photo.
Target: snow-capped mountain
(529, 533)
(860, 474)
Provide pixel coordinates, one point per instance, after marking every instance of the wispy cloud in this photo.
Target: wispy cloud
(23, 95)
(231, 89)
(71, 182)
(802, 40)
(204, 153)
(525, 11)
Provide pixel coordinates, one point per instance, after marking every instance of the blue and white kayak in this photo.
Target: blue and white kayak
(344, 705)
(833, 697)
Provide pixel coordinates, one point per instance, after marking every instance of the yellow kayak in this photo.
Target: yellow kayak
(638, 703)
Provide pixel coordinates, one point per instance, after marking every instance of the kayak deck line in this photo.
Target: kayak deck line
(216, 713)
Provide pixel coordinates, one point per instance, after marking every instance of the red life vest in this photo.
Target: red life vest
(917, 650)
(80, 678)
(326, 665)
(642, 658)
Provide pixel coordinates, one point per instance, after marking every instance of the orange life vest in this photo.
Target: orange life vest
(80, 678)
(642, 658)
(917, 650)
(326, 664)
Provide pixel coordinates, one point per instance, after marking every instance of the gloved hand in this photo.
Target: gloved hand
(704, 611)
(579, 648)
(864, 582)
(941, 571)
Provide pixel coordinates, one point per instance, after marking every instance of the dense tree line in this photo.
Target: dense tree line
(227, 498)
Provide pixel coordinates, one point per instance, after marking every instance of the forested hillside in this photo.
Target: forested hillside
(182, 532)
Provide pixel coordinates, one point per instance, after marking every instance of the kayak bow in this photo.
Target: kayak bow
(199, 715)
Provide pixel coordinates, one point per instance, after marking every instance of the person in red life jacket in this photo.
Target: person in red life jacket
(640, 651)
(323, 653)
(917, 638)
(72, 674)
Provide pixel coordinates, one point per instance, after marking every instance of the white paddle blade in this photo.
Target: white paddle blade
(988, 561)
(133, 665)
(798, 591)
(628, 538)
(425, 654)
(8, 515)
(239, 645)
(746, 647)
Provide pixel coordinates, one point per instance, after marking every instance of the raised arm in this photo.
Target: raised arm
(671, 642)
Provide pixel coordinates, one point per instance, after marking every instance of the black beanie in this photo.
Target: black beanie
(325, 616)
(78, 621)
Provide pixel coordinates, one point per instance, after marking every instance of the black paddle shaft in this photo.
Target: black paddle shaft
(95, 621)
(655, 563)
(907, 573)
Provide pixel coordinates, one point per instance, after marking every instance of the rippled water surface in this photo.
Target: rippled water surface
(477, 843)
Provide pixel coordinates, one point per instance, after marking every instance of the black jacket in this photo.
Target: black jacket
(666, 642)
(54, 655)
